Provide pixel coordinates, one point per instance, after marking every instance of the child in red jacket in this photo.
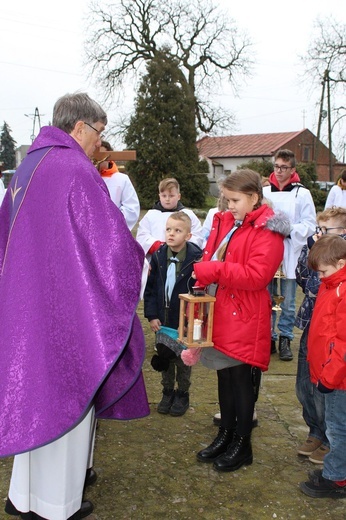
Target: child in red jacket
(242, 254)
(327, 362)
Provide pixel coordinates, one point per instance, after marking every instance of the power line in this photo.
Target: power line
(40, 68)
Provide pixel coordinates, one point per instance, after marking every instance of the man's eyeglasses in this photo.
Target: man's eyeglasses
(99, 132)
(324, 230)
(282, 168)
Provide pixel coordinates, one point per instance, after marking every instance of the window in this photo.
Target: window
(307, 153)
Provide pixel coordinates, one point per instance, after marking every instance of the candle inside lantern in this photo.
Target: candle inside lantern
(197, 329)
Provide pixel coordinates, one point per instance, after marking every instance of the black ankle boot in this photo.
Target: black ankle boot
(238, 454)
(180, 404)
(217, 447)
(273, 346)
(285, 352)
(166, 402)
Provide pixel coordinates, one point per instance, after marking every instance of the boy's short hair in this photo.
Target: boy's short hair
(287, 156)
(183, 217)
(327, 250)
(169, 184)
(333, 212)
(106, 144)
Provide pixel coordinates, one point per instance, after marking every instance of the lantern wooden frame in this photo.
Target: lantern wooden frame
(188, 304)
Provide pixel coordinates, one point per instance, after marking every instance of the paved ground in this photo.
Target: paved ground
(148, 469)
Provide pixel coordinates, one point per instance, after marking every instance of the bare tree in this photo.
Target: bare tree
(205, 42)
(327, 51)
(325, 62)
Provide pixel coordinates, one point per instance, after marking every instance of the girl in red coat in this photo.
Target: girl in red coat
(243, 252)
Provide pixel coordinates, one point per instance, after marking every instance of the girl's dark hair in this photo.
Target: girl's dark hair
(245, 181)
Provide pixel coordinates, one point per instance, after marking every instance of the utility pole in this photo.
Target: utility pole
(321, 116)
(331, 173)
(34, 116)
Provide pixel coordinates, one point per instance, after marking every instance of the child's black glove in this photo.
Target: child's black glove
(160, 361)
(311, 241)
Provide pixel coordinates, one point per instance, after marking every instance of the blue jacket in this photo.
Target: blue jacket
(154, 294)
(310, 283)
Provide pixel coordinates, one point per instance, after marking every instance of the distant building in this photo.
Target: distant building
(21, 152)
(224, 154)
(6, 176)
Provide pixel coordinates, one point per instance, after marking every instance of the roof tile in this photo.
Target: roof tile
(244, 145)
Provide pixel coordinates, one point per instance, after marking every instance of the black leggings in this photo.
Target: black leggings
(236, 398)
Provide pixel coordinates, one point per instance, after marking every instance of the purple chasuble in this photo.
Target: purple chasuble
(70, 275)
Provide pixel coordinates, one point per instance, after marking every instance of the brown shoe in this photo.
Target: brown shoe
(318, 455)
(309, 446)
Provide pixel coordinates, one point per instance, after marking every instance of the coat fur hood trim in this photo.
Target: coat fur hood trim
(279, 223)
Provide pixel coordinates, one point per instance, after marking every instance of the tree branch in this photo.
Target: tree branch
(204, 41)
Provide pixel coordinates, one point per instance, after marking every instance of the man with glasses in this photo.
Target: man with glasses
(287, 194)
(72, 346)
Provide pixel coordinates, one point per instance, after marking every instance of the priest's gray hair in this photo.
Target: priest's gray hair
(77, 107)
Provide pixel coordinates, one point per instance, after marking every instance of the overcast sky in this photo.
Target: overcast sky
(42, 58)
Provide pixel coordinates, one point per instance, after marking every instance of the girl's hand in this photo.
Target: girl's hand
(193, 275)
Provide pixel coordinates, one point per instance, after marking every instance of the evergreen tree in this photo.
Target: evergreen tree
(264, 168)
(163, 133)
(7, 148)
(308, 177)
(202, 38)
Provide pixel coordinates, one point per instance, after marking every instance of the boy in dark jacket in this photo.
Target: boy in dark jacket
(171, 267)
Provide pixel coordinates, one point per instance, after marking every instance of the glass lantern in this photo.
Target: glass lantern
(196, 320)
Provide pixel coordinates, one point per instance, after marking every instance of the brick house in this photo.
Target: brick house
(224, 154)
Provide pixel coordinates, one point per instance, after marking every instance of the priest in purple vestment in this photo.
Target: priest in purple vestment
(71, 343)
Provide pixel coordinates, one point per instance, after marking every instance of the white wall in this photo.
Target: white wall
(227, 165)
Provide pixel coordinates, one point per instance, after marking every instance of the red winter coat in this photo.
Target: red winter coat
(327, 334)
(243, 305)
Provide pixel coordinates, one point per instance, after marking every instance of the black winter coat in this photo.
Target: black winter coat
(154, 294)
